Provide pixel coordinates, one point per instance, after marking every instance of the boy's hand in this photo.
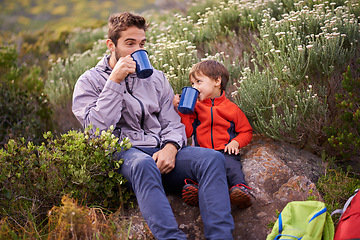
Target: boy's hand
(232, 147)
(176, 101)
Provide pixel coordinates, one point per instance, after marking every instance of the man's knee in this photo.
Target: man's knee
(209, 157)
(216, 158)
(136, 163)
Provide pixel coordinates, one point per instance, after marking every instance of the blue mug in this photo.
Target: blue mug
(188, 100)
(144, 68)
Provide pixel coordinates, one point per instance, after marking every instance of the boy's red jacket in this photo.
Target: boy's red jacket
(215, 122)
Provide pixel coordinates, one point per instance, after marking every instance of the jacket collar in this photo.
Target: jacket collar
(216, 100)
(103, 65)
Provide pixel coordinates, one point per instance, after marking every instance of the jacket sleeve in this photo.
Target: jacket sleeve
(188, 120)
(91, 105)
(171, 128)
(242, 128)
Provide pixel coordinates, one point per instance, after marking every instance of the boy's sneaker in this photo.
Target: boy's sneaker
(240, 196)
(190, 193)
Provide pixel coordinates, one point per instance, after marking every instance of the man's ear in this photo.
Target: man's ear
(110, 45)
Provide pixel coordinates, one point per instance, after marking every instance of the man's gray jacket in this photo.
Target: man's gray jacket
(140, 109)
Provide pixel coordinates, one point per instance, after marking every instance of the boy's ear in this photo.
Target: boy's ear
(218, 81)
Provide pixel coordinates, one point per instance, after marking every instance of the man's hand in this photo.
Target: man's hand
(123, 67)
(165, 158)
(232, 147)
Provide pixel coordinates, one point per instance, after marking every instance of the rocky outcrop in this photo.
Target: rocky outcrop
(277, 172)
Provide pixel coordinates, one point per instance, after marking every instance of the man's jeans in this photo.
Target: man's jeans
(205, 166)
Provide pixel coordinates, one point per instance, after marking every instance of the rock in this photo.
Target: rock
(277, 173)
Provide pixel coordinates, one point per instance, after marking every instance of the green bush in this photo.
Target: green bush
(65, 72)
(344, 134)
(24, 108)
(285, 90)
(33, 178)
(336, 186)
(81, 40)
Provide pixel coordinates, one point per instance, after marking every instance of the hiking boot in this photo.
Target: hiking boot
(240, 196)
(190, 193)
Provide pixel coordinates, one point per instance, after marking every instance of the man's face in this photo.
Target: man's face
(130, 40)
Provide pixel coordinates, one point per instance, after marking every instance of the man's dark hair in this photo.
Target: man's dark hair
(119, 22)
(211, 69)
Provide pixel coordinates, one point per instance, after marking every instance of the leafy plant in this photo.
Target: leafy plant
(286, 89)
(24, 108)
(34, 177)
(344, 136)
(336, 187)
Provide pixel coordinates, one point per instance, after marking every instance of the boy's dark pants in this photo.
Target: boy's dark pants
(234, 171)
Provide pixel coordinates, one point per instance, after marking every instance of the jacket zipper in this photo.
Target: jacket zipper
(141, 105)
(212, 123)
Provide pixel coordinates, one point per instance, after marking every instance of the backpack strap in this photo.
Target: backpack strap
(280, 224)
(341, 211)
(285, 235)
(318, 213)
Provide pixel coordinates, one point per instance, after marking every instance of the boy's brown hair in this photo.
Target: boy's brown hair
(119, 22)
(212, 69)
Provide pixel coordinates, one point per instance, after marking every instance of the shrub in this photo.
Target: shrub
(34, 177)
(81, 40)
(24, 108)
(61, 81)
(336, 186)
(344, 134)
(65, 72)
(72, 221)
(286, 90)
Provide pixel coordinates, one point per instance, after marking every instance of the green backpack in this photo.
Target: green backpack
(305, 220)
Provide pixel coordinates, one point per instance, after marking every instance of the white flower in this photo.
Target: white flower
(309, 46)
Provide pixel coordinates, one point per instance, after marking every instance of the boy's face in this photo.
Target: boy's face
(131, 39)
(208, 87)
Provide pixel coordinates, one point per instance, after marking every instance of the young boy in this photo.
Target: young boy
(219, 124)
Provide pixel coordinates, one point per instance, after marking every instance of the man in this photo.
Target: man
(142, 110)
